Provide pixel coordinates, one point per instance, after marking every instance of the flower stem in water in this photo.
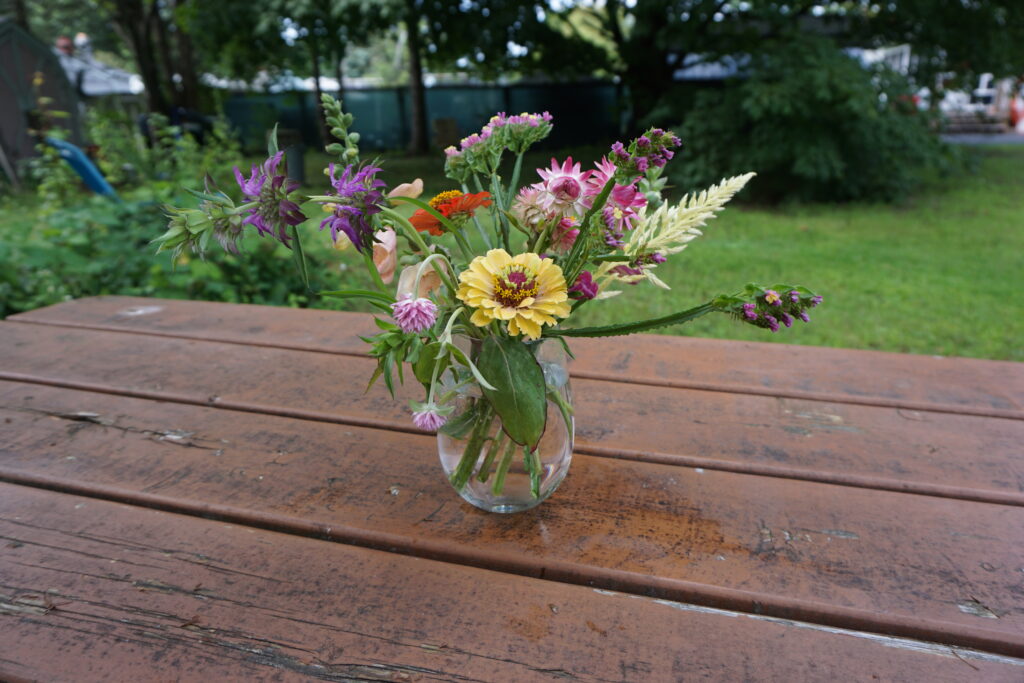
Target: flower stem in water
(506, 461)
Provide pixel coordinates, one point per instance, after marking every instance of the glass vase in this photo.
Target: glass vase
(504, 476)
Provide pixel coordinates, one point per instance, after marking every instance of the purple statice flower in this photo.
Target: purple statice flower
(653, 149)
(274, 209)
(749, 311)
(772, 298)
(358, 196)
(794, 296)
(767, 308)
(786, 319)
(584, 288)
(815, 300)
(429, 417)
(803, 316)
(773, 324)
(414, 315)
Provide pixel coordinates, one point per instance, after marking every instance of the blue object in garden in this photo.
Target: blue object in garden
(83, 166)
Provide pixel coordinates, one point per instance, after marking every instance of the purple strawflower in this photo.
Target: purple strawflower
(584, 288)
(274, 210)
(358, 197)
(773, 324)
(786, 319)
(429, 418)
(414, 315)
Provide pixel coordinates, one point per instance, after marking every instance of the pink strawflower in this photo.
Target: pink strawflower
(599, 177)
(528, 208)
(429, 419)
(564, 234)
(620, 213)
(563, 189)
(414, 315)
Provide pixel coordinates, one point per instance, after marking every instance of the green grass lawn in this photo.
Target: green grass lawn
(940, 273)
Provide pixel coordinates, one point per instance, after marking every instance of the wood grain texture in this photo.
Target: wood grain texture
(957, 456)
(959, 385)
(96, 591)
(914, 566)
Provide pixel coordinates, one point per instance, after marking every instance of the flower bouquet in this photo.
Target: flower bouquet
(493, 272)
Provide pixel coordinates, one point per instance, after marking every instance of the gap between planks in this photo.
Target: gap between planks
(822, 397)
(686, 594)
(680, 460)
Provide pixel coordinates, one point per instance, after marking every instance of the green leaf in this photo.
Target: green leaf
(519, 393)
(464, 359)
(424, 366)
(448, 225)
(359, 294)
(458, 427)
(272, 142)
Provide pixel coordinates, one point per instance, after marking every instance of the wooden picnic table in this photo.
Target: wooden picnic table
(199, 491)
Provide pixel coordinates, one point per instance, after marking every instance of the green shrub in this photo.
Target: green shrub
(99, 247)
(814, 124)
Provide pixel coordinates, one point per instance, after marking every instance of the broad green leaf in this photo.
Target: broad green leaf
(519, 393)
(423, 368)
(458, 427)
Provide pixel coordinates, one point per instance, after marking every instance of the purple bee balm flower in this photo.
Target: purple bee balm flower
(429, 418)
(773, 324)
(414, 315)
(274, 209)
(584, 288)
(358, 197)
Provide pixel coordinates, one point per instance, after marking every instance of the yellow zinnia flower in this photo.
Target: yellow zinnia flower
(525, 290)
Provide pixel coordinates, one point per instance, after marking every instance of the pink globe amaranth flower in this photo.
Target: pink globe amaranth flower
(414, 315)
(563, 189)
(429, 418)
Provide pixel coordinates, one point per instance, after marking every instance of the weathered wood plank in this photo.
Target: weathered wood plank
(960, 385)
(916, 566)
(933, 453)
(96, 591)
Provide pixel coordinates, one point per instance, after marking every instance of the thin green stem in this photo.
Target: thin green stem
(515, 179)
(372, 267)
(461, 474)
(479, 226)
(300, 257)
(638, 326)
(506, 461)
(485, 469)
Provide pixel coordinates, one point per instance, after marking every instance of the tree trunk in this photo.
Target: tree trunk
(186, 66)
(21, 15)
(314, 55)
(130, 21)
(417, 95)
(158, 28)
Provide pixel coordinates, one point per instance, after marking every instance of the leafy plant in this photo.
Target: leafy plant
(814, 124)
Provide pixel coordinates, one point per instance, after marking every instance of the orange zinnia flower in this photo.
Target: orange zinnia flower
(451, 204)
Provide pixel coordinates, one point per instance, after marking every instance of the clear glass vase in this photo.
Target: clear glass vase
(505, 476)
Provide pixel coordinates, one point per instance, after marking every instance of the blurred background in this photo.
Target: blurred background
(886, 137)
